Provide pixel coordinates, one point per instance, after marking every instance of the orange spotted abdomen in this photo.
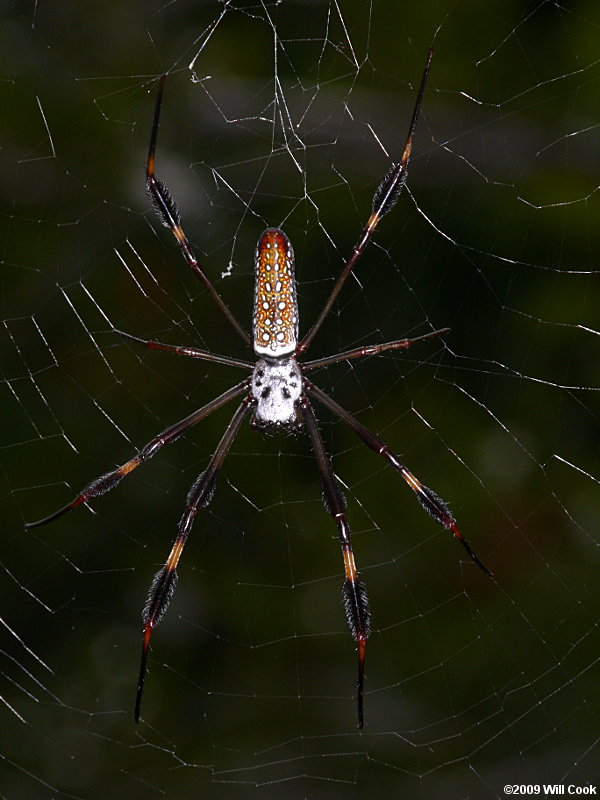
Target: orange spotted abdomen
(275, 320)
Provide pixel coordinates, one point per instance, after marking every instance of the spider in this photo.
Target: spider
(277, 395)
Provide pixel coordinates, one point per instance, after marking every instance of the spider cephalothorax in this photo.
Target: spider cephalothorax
(276, 389)
(277, 395)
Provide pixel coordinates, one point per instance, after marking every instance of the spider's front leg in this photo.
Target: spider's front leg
(429, 500)
(109, 480)
(165, 581)
(354, 592)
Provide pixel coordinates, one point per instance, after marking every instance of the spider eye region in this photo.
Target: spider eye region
(276, 389)
(275, 318)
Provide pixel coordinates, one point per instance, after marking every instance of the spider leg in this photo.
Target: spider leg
(109, 480)
(167, 210)
(354, 592)
(194, 352)
(428, 499)
(384, 200)
(371, 350)
(165, 580)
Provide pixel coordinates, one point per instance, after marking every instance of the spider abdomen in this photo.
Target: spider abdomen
(275, 319)
(276, 390)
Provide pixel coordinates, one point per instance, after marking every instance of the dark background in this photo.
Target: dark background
(471, 684)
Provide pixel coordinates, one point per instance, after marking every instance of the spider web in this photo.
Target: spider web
(288, 114)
